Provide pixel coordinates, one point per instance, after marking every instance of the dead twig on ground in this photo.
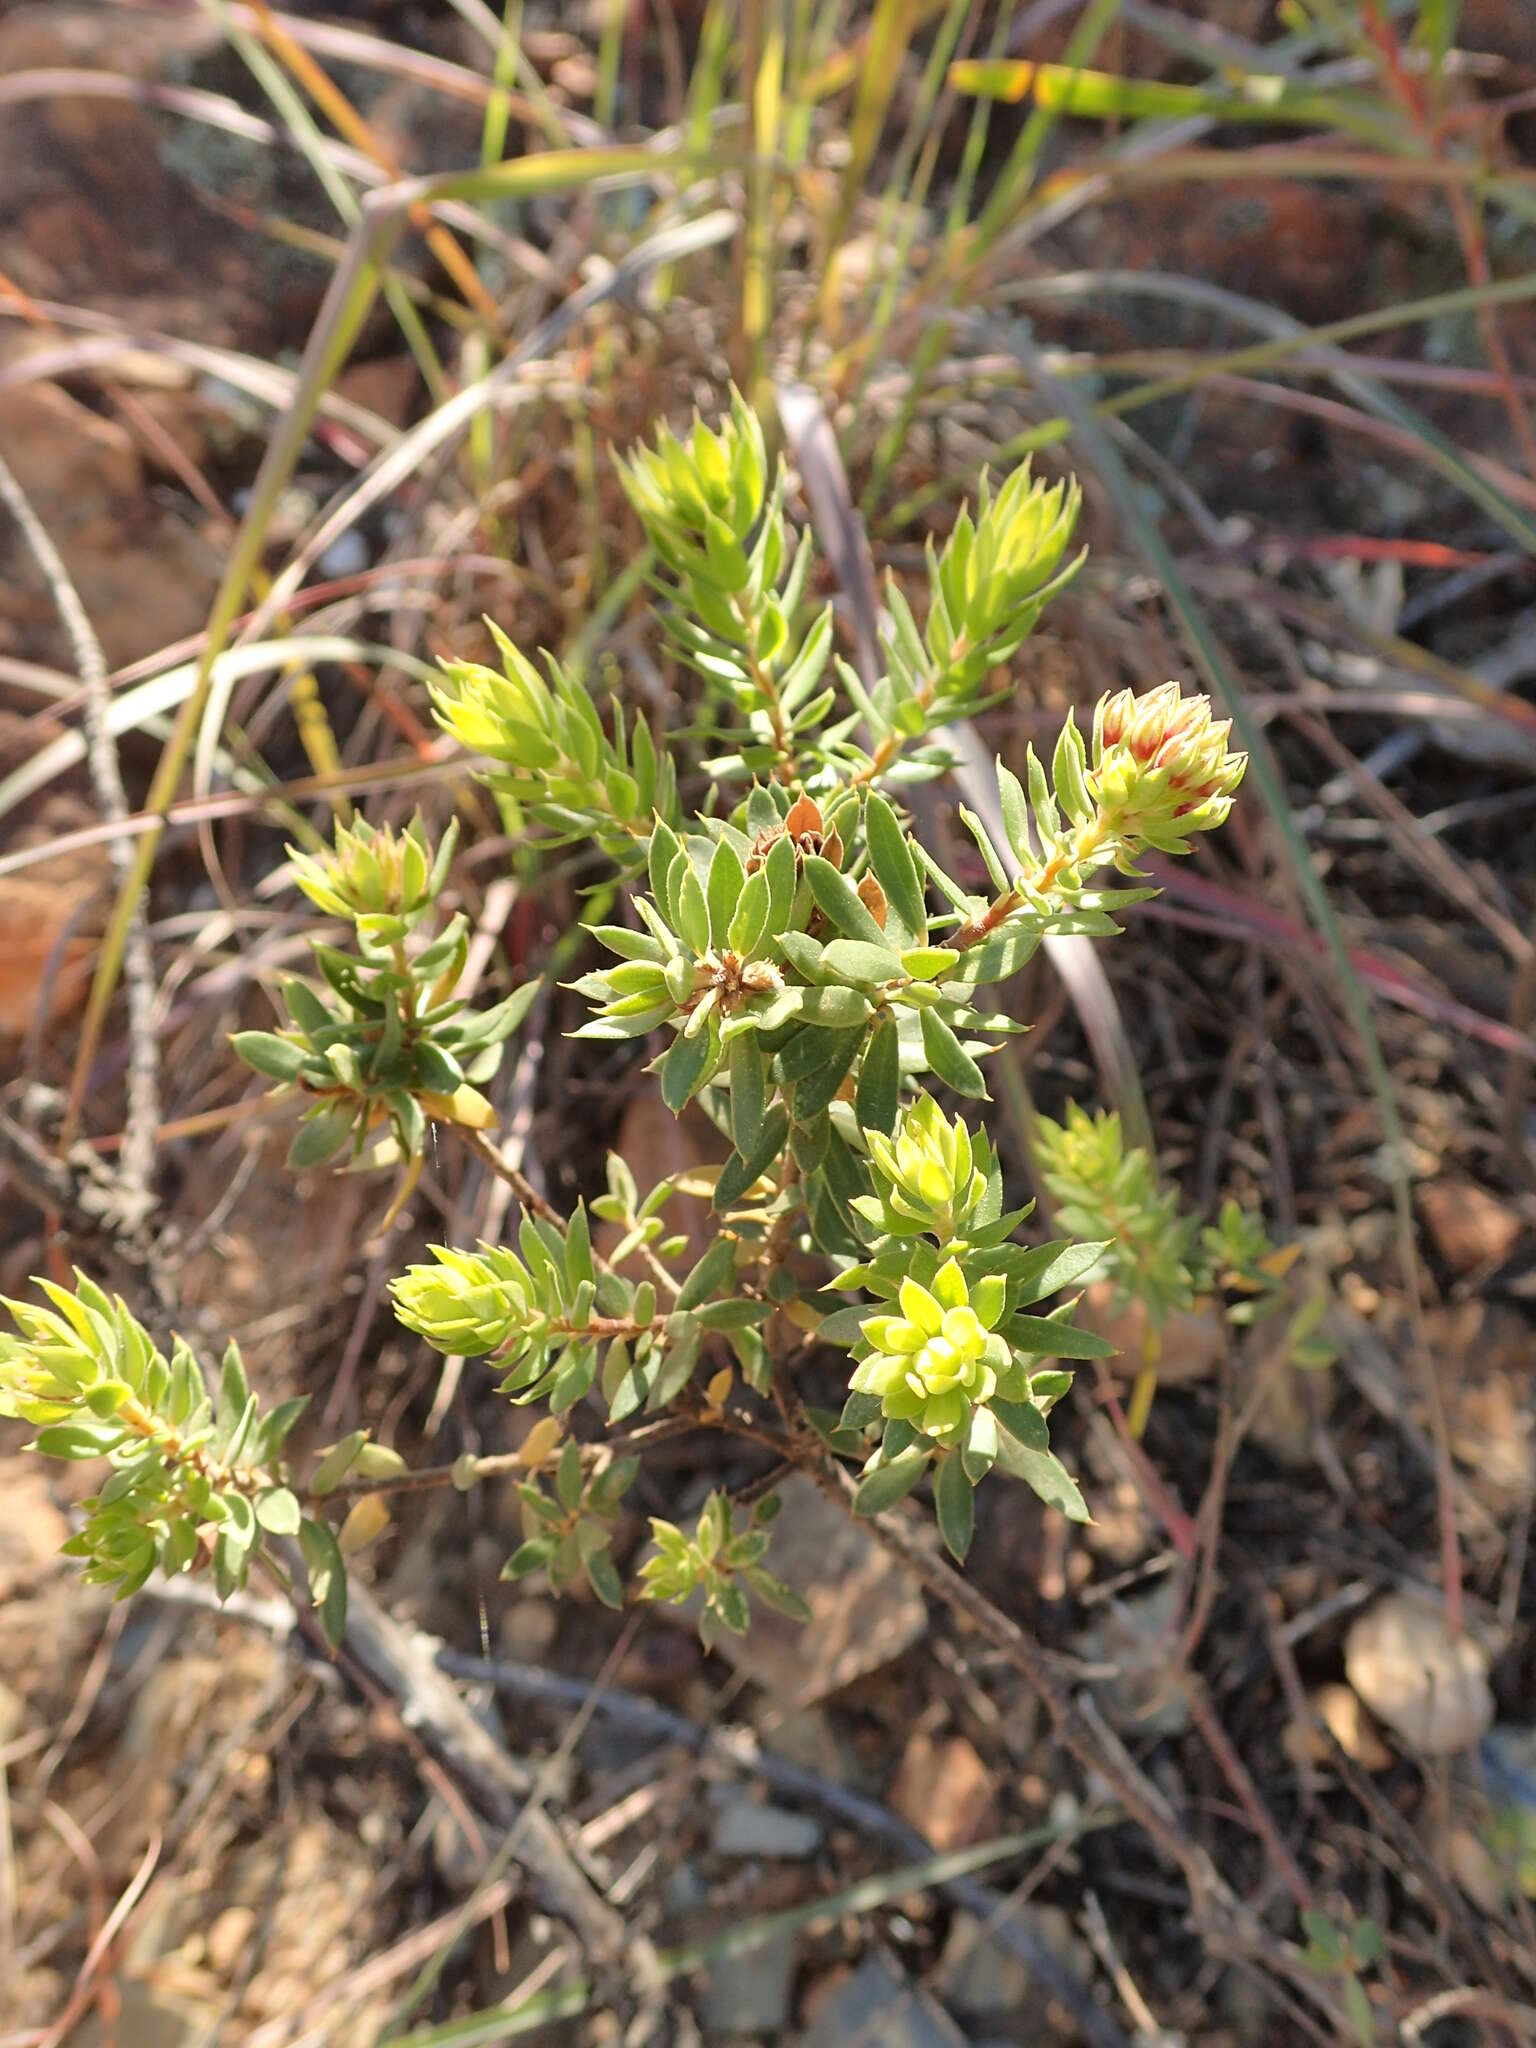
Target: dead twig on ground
(138, 1157)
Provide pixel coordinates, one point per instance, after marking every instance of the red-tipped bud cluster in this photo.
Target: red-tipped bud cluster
(1161, 766)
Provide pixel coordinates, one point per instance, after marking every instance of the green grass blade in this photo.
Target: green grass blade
(485, 2029)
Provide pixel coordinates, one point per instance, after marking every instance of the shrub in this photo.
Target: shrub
(810, 971)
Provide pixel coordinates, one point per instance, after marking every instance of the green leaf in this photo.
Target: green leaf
(738, 1174)
(568, 1476)
(949, 1059)
(631, 1384)
(856, 960)
(273, 1430)
(578, 1249)
(1044, 1473)
(956, 1507)
(603, 1577)
(684, 1068)
(321, 1138)
(234, 1387)
(773, 1592)
(895, 869)
(378, 1461)
(277, 1058)
(731, 1315)
(847, 1443)
(715, 1270)
(675, 1372)
(1361, 2018)
(890, 1482)
(76, 1440)
(928, 963)
(838, 898)
(1048, 1268)
(305, 1007)
(1024, 1421)
(1015, 807)
(809, 1050)
(980, 1451)
(749, 1091)
(816, 1091)
(835, 1008)
(661, 853)
(879, 1089)
(277, 1511)
(693, 910)
(327, 1578)
(1045, 1337)
(727, 879)
(782, 877)
(337, 1463)
(731, 1605)
(529, 1557)
(750, 918)
(1366, 1944)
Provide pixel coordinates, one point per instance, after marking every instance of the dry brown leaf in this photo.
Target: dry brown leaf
(1470, 1227)
(44, 959)
(945, 1791)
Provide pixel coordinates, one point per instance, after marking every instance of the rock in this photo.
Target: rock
(144, 577)
(1342, 1714)
(31, 1526)
(749, 1994)
(527, 1629)
(981, 1978)
(1428, 1686)
(684, 1890)
(1193, 1341)
(808, 1739)
(865, 1611)
(877, 2007)
(1470, 1227)
(743, 1827)
(945, 1791)
(1136, 1635)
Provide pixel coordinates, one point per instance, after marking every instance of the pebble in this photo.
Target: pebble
(982, 1979)
(749, 1994)
(1137, 1635)
(877, 2006)
(1428, 1686)
(744, 1828)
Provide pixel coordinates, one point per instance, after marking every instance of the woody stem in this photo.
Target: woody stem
(1081, 849)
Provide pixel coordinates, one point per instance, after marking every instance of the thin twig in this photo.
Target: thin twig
(138, 1155)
